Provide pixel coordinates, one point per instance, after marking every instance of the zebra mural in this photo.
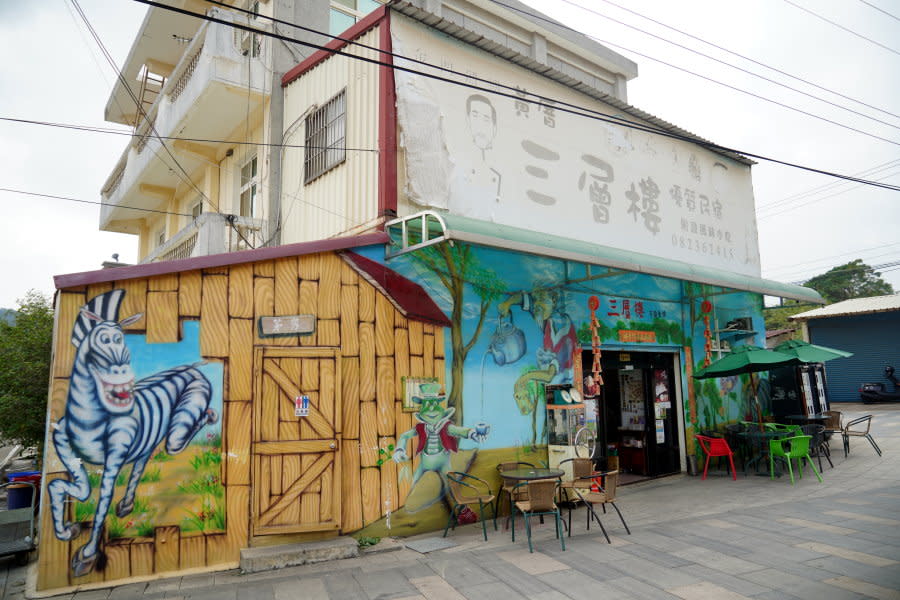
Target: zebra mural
(113, 421)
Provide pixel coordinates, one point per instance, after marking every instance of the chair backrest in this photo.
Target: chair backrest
(610, 483)
(816, 432)
(541, 494)
(581, 467)
(792, 446)
(509, 466)
(457, 486)
(833, 422)
(713, 446)
(858, 421)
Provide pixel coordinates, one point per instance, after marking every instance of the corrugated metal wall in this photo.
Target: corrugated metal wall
(875, 342)
(346, 196)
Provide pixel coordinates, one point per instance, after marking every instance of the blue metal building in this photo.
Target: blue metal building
(868, 327)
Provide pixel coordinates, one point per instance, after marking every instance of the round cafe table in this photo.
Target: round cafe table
(806, 419)
(528, 474)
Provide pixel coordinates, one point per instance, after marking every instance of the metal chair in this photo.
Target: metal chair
(818, 447)
(715, 447)
(465, 489)
(788, 448)
(582, 469)
(508, 485)
(541, 494)
(849, 432)
(602, 495)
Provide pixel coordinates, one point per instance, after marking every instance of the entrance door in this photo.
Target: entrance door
(296, 466)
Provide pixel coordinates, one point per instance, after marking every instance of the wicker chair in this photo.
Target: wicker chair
(540, 501)
(848, 431)
(465, 489)
(508, 485)
(582, 469)
(594, 495)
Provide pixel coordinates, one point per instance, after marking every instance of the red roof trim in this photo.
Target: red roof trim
(407, 296)
(217, 260)
(361, 26)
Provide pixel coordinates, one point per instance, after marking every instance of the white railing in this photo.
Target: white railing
(211, 233)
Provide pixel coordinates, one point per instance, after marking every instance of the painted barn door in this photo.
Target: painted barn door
(296, 465)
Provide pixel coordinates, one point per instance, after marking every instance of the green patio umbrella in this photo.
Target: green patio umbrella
(810, 353)
(747, 359)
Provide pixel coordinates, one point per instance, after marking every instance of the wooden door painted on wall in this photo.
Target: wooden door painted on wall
(296, 465)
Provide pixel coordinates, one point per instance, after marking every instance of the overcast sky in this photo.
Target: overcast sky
(52, 71)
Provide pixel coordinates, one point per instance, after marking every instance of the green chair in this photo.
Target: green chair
(541, 495)
(793, 429)
(788, 448)
(465, 489)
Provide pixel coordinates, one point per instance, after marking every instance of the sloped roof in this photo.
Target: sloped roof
(854, 306)
(407, 296)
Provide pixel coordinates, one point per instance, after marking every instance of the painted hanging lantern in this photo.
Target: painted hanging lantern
(594, 304)
(706, 308)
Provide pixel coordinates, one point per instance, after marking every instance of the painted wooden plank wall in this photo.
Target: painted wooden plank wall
(377, 347)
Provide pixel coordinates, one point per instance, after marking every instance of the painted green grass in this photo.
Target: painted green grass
(208, 459)
(151, 475)
(207, 485)
(162, 457)
(211, 517)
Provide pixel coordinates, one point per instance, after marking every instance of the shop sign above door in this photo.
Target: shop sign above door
(287, 325)
(637, 336)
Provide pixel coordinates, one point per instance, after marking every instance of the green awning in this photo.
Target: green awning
(428, 227)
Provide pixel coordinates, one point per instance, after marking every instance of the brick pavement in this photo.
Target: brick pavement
(691, 539)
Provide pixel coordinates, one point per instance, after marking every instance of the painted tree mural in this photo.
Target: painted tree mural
(456, 266)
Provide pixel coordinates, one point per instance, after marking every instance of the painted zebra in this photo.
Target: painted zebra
(112, 421)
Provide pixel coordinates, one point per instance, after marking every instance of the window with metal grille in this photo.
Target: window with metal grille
(326, 131)
(197, 209)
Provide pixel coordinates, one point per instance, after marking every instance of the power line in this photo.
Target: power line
(727, 64)
(839, 26)
(588, 113)
(850, 269)
(150, 124)
(754, 61)
(152, 210)
(828, 186)
(123, 132)
(704, 77)
(787, 208)
(881, 10)
(792, 267)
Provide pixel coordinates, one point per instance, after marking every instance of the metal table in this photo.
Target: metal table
(758, 442)
(528, 473)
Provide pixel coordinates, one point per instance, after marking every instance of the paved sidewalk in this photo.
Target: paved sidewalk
(716, 539)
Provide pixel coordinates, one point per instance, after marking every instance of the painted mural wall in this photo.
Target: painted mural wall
(180, 430)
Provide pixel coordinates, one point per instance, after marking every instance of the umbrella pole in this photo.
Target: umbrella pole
(753, 388)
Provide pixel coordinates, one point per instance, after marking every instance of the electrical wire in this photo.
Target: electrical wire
(129, 133)
(752, 60)
(861, 267)
(881, 10)
(792, 267)
(839, 26)
(152, 210)
(827, 186)
(722, 62)
(146, 117)
(814, 200)
(705, 78)
(583, 112)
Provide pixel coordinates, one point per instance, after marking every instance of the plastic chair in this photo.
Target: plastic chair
(465, 489)
(849, 432)
(541, 494)
(794, 429)
(602, 495)
(716, 447)
(788, 448)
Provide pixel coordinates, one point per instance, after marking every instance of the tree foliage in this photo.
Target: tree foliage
(855, 279)
(25, 370)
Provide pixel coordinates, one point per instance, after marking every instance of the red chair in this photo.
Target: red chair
(716, 447)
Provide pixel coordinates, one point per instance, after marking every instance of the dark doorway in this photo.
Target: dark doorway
(637, 413)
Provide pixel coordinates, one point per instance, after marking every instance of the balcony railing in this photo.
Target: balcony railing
(211, 233)
(214, 57)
